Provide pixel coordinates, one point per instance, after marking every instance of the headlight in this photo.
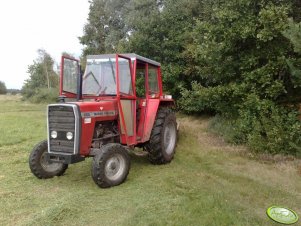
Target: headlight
(69, 135)
(53, 134)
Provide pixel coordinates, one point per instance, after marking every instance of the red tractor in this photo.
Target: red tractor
(116, 105)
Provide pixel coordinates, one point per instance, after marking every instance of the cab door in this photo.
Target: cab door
(126, 100)
(70, 79)
(151, 104)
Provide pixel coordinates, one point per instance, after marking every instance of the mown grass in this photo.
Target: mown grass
(208, 182)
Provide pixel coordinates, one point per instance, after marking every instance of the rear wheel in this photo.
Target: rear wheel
(162, 143)
(110, 166)
(39, 165)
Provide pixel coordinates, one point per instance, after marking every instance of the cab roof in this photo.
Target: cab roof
(133, 56)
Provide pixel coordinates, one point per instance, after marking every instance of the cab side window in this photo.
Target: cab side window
(140, 80)
(153, 85)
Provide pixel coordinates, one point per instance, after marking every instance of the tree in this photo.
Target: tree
(41, 75)
(244, 75)
(293, 34)
(161, 30)
(3, 89)
(105, 28)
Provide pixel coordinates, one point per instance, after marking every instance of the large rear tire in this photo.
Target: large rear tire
(162, 144)
(42, 168)
(110, 165)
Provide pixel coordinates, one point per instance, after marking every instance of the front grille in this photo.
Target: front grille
(61, 118)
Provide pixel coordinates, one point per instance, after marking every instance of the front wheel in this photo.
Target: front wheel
(110, 165)
(42, 168)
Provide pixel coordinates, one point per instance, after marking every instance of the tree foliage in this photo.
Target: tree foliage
(293, 33)
(42, 78)
(105, 28)
(239, 59)
(3, 89)
(248, 70)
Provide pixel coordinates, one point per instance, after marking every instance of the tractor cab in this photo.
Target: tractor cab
(133, 81)
(116, 104)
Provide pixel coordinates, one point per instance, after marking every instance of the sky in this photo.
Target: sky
(29, 25)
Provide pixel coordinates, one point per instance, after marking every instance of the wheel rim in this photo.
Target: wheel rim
(115, 167)
(49, 166)
(169, 138)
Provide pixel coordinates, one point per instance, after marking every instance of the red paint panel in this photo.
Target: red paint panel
(160, 81)
(87, 129)
(86, 136)
(152, 106)
(103, 105)
(142, 109)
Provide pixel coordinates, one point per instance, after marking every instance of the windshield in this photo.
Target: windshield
(100, 77)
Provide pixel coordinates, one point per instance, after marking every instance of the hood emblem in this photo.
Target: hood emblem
(101, 108)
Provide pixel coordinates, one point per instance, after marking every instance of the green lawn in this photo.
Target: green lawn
(208, 182)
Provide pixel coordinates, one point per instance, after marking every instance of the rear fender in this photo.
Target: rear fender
(167, 103)
(151, 112)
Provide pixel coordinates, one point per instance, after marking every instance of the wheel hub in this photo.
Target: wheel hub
(49, 166)
(169, 138)
(114, 167)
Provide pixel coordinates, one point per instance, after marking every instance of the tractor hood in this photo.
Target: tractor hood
(92, 112)
(101, 110)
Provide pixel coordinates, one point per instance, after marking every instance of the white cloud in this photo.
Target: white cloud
(26, 26)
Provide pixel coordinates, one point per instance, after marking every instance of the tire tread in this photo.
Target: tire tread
(154, 146)
(35, 166)
(100, 159)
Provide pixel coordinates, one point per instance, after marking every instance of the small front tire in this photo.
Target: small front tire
(42, 168)
(110, 165)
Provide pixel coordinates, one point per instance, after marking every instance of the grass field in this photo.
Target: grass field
(208, 182)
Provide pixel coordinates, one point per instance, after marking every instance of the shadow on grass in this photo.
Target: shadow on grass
(139, 158)
(79, 174)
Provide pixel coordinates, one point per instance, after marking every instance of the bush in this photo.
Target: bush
(263, 126)
(227, 128)
(218, 99)
(267, 127)
(44, 95)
